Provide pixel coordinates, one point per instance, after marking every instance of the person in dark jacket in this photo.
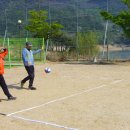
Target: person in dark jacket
(28, 60)
(3, 53)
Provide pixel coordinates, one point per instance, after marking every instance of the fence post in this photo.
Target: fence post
(44, 53)
(107, 51)
(9, 54)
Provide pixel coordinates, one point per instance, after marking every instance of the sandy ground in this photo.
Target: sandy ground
(72, 96)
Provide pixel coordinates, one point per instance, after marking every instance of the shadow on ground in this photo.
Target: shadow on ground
(15, 86)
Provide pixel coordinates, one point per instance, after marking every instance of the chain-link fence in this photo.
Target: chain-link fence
(15, 46)
(72, 53)
(116, 52)
(77, 16)
(57, 52)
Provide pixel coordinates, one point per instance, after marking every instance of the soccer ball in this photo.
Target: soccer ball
(47, 70)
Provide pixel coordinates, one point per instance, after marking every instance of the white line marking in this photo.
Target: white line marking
(116, 81)
(56, 100)
(60, 99)
(45, 123)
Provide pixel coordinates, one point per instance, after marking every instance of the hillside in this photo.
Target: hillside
(66, 12)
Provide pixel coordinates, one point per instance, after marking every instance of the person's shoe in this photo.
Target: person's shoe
(22, 84)
(32, 88)
(11, 98)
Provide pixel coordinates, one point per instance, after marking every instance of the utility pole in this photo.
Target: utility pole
(20, 26)
(26, 17)
(49, 5)
(77, 28)
(6, 27)
(105, 36)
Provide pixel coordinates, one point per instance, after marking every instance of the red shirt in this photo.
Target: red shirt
(2, 56)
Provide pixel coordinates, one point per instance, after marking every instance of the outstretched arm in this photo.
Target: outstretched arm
(37, 51)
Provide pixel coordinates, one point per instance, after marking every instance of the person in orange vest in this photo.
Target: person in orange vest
(3, 53)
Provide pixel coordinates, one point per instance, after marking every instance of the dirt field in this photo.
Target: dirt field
(72, 97)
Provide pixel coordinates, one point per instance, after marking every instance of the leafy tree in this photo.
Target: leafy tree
(122, 19)
(88, 44)
(39, 27)
(127, 2)
(55, 30)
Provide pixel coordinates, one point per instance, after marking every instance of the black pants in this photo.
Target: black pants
(4, 86)
(30, 77)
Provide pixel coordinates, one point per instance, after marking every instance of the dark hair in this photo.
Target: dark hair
(28, 44)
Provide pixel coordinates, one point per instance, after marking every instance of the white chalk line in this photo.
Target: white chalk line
(60, 99)
(63, 98)
(117, 81)
(43, 122)
(56, 100)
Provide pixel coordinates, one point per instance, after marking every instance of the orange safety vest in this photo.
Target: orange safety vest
(2, 56)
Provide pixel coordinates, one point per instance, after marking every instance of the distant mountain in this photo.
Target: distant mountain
(66, 12)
